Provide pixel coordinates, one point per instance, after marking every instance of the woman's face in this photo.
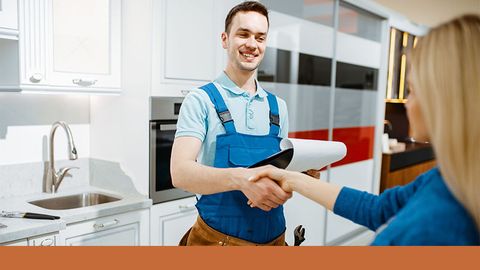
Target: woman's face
(415, 117)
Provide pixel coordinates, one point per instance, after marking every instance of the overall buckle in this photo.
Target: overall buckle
(225, 116)
(274, 119)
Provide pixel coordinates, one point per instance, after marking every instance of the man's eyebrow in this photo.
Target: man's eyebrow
(248, 30)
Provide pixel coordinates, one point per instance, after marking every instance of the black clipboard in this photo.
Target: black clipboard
(279, 160)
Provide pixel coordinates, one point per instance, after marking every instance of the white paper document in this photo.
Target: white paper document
(313, 154)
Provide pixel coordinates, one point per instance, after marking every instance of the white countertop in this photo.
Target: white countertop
(21, 228)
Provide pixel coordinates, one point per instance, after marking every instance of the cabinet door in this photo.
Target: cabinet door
(129, 229)
(70, 45)
(171, 220)
(190, 40)
(83, 43)
(175, 226)
(8, 16)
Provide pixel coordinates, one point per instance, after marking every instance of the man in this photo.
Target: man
(226, 126)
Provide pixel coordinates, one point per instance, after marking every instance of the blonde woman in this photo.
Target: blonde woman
(442, 206)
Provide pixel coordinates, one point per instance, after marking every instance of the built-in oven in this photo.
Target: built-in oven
(163, 120)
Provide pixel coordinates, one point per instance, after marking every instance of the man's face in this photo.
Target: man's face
(246, 41)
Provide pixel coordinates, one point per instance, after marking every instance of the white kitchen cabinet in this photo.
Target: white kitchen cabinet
(8, 19)
(127, 229)
(65, 46)
(171, 220)
(187, 50)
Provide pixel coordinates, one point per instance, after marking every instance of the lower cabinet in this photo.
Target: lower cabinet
(126, 229)
(45, 240)
(399, 177)
(169, 221)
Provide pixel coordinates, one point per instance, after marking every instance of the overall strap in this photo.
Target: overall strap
(274, 115)
(220, 106)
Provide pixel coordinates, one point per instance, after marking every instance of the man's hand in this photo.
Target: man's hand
(264, 193)
(313, 173)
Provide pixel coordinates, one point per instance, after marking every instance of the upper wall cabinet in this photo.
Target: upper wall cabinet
(8, 19)
(187, 49)
(65, 46)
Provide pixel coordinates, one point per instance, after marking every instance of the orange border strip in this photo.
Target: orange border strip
(240, 258)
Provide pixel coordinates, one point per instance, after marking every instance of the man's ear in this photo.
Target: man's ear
(224, 38)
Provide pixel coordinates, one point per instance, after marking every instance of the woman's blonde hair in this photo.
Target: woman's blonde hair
(446, 78)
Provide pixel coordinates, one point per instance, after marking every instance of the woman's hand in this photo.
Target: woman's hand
(283, 177)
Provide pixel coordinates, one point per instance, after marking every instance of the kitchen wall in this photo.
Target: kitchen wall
(25, 122)
(120, 124)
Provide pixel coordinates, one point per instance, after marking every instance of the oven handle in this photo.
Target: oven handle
(188, 207)
(164, 127)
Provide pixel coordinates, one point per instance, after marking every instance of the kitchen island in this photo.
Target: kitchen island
(400, 168)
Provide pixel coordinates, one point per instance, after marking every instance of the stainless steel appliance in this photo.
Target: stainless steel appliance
(163, 119)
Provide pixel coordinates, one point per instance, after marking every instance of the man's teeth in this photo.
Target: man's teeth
(248, 55)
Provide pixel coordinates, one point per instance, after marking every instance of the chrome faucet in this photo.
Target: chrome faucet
(54, 178)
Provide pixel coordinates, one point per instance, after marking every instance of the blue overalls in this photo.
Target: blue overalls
(228, 212)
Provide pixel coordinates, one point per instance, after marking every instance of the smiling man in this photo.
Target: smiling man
(224, 127)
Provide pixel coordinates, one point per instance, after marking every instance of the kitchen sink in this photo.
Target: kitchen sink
(74, 201)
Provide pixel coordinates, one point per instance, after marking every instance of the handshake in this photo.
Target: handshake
(268, 187)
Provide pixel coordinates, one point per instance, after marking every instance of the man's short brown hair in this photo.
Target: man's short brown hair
(245, 7)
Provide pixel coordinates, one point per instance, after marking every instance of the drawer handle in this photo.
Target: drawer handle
(99, 226)
(36, 78)
(187, 207)
(85, 83)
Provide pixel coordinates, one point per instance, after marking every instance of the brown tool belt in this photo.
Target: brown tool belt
(203, 235)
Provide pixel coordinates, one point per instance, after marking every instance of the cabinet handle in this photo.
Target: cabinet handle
(46, 242)
(36, 78)
(82, 82)
(99, 226)
(187, 207)
(185, 92)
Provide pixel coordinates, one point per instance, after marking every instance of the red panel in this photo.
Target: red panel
(320, 134)
(359, 141)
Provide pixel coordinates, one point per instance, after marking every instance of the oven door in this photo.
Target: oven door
(162, 134)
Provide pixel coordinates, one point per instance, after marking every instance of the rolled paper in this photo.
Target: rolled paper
(313, 154)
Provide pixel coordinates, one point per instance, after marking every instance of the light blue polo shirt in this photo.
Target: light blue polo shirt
(199, 119)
